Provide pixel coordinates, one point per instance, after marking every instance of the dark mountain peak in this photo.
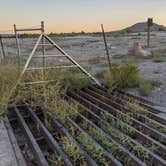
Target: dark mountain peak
(142, 26)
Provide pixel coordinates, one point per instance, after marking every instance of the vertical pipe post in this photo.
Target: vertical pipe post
(149, 24)
(44, 62)
(43, 42)
(106, 46)
(2, 47)
(148, 38)
(17, 43)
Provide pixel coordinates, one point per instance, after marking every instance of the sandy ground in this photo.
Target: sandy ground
(90, 52)
(7, 157)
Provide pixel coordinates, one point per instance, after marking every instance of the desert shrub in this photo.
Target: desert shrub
(145, 88)
(156, 83)
(125, 76)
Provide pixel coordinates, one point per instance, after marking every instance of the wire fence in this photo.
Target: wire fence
(89, 51)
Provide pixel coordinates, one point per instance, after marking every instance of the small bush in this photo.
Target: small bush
(145, 88)
(156, 83)
(125, 76)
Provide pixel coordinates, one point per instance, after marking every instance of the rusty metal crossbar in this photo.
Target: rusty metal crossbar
(93, 104)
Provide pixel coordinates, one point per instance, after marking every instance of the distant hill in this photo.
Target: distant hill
(142, 27)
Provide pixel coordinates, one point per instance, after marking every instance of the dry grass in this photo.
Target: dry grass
(46, 95)
(9, 74)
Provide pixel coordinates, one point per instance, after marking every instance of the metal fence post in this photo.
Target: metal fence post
(17, 43)
(106, 46)
(2, 47)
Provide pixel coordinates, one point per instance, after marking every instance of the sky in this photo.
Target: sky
(79, 15)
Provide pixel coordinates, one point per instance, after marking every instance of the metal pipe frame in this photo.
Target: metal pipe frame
(49, 138)
(17, 42)
(153, 156)
(148, 130)
(48, 56)
(97, 112)
(32, 142)
(19, 157)
(58, 67)
(92, 104)
(106, 153)
(72, 60)
(30, 29)
(2, 48)
(140, 100)
(62, 130)
(125, 151)
(121, 105)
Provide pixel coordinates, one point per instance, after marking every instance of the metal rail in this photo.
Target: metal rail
(32, 142)
(49, 138)
(19, 157)
(106, 153)
(97, 111)
(153, 156)
(146, 129)
(94, 102)
(142, 101)
(61, 129)
(72, 60)
(121, 105)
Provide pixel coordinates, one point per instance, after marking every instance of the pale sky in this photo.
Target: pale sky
(78, 15)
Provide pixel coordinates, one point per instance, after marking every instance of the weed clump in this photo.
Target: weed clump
(125, 76)
(136, 108)
(145, 88)
(73, 151)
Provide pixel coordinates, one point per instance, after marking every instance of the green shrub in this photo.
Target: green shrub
(156, 83)
(145, 88)
(125, 76)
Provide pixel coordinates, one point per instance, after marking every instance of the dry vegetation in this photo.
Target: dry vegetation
(47, 95)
